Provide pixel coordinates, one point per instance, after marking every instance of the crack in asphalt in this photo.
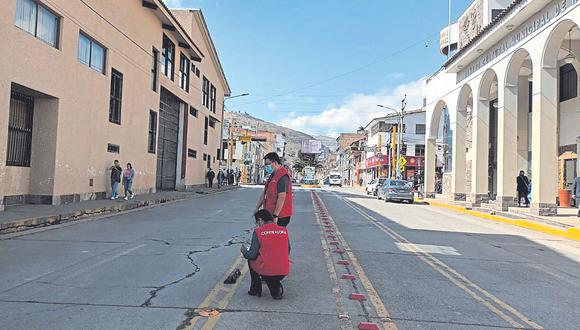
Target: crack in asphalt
(196, 268)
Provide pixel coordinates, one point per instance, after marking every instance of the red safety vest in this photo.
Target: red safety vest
(272, 194)
(273, 256)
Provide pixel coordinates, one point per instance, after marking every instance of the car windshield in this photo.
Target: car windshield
(335, 176)
(398, 183)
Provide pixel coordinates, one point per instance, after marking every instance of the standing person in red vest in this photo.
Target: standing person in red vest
(277, 196)
(267, 256)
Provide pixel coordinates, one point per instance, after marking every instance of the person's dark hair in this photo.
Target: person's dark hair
(522, 172)
(130, 166)
(273, 157)
(264, 215)
(116, 161)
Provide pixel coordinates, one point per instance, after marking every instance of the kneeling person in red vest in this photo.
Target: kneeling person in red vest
(268, 256)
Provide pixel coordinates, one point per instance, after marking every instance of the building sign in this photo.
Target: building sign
(519, 34)
(471, 23)
(311, 147)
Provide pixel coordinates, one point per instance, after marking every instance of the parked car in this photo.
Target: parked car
(371, 188)
(327, 181)
(396, 190)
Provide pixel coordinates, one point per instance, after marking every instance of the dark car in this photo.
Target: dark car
(396, 190)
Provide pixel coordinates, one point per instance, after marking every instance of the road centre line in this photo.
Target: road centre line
(374, 297)
(452, 275)
(336, 290)
(213, 296)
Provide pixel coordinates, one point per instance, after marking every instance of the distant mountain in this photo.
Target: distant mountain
(328, 141)
(293, 138)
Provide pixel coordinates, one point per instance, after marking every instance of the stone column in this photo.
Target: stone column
(430, 168)
(507, 145)
(545, 141)
(479, 174)
(458, 158)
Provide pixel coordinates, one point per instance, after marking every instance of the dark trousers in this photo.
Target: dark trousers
(210, 182)
(283, 221)
(273, 282)
(524, 195)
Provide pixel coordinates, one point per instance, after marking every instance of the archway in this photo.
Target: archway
(485, 131)
(439, 149)
(555, 114)
(515, 147)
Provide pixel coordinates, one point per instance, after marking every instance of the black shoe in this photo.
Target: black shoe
(233, 277)
(281, 294)
(255, 293)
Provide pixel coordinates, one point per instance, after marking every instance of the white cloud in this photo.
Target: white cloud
(356, 111)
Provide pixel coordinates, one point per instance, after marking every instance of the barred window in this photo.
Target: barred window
(205, 130)
(20, 130)
(116, 97)
(212, 98)
(154, 70)
(568, 82)
(205, 92)
(152, 131)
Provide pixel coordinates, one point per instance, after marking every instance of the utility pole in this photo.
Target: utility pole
(400, 139)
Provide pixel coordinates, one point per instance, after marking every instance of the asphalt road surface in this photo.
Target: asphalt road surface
(416, 266)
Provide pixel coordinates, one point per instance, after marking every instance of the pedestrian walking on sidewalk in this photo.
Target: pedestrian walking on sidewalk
(268, 256)
(221, 177)
(116, 171)
(576, 193)
(209, 176)
(277, 195)
(523, 188)
(128, 177)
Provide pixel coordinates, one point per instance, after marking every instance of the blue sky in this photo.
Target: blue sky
(321, 66)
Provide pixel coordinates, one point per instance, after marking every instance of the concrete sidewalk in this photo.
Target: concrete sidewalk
(19, 218)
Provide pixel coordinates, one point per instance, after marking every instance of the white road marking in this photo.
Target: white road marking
(437, 249)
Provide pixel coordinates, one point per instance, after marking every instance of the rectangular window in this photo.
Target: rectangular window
(152, 131)
(212, 98)
(116, 97)
(184, 72)
(568, 82)
(212, 122)
(205, 92)
(91, 53)
(191, 153)
(204, 156)
(154, 69)
(195, 70)
(420, 129)
(205, 130)
(114, 148)
(20, 119)
(193, 111)
(168, 57)
(419, 150)
(38, 21)
(218, 154)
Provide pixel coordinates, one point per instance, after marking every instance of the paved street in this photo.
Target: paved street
(417, 266)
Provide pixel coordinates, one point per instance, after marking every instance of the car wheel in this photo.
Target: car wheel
(411, 201)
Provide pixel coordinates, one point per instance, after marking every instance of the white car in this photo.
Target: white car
(371, 188)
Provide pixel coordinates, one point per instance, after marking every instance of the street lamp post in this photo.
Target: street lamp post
(401, 115)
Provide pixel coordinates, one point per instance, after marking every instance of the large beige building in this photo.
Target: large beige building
(86, 82)
(507, 100)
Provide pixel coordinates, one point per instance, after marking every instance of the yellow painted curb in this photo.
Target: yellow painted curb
(571, 233)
